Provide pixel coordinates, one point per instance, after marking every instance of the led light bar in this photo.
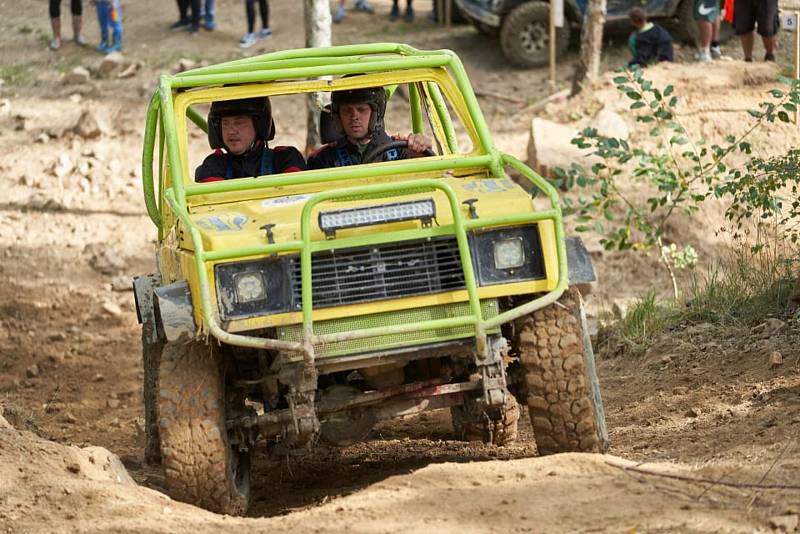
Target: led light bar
(423, 210)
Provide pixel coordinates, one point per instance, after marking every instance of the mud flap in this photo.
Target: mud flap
(143, 291)
(174, 313)
(581, 271)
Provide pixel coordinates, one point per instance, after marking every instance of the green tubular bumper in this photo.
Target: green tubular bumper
(380, 321)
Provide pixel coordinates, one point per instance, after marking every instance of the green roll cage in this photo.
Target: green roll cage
(337, 61)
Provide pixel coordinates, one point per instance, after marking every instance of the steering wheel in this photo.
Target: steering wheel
(373, 154)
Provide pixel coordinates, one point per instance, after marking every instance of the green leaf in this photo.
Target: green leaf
(638, 104)
(783, 116)
(633, 95)
(620, 79)
(668, 90)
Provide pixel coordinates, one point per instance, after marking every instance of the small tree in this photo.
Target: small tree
(318, 34)
(680, 174)
(587, 69)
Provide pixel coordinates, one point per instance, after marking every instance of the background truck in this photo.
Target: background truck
(523, 25)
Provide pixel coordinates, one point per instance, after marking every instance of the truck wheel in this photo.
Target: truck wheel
(686, 29)
(563, 390)
(348, 427)
(151, 356)
(200, 466)
(498, 426)
(524, 35)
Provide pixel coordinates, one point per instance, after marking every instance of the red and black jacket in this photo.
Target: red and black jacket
(258, 161)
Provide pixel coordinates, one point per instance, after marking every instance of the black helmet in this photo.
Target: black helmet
(258, 108)
(374, 96)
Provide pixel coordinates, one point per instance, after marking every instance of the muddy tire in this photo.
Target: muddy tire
(525, 35)
(200, 466)
(151, 356)
(498, 426)
(563, 392)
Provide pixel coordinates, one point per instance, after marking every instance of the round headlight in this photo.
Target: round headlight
(250, 287)
(508, 253)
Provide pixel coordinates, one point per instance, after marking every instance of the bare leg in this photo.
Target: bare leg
(769, 48)
(747, 46)
(76, 30)
(55, 24)
(705, 31)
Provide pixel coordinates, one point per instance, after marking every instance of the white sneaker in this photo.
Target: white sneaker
(265, 33)
(248, 40)
(702, 56)
(716, 52)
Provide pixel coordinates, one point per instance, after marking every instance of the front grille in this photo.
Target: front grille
(380, 272)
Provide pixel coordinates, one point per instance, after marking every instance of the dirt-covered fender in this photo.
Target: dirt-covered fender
(174, 312)
(581, 270)
(165, 312)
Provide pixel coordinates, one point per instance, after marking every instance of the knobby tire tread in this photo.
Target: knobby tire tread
(197, 458)
(563, 393)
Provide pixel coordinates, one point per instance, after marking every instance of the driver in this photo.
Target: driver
(238, 131)
(358, 115)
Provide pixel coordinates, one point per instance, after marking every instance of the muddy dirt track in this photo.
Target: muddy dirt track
(703, 429)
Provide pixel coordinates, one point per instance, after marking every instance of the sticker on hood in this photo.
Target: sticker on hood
(284, 201)
(223, 223)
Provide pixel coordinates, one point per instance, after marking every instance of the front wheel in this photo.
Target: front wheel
(525, 35)
(496, 425)
(563, 392)
(201, 466)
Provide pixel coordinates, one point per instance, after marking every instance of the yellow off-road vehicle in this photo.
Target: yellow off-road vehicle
(291, 307)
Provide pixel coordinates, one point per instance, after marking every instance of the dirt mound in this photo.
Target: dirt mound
(713, 102)
(55, 488)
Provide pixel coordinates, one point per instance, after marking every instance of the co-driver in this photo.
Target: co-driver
(359, 117)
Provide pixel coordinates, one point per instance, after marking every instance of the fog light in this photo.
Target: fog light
(508, 253)
(249, 287)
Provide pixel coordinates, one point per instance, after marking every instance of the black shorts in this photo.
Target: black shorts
(748, 13)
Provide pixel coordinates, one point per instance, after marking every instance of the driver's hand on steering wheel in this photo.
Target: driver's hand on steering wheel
(419, 143)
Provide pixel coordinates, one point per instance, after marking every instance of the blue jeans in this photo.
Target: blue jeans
(109, 16)
(207, 10)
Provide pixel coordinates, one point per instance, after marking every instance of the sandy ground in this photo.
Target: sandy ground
(703, 429)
